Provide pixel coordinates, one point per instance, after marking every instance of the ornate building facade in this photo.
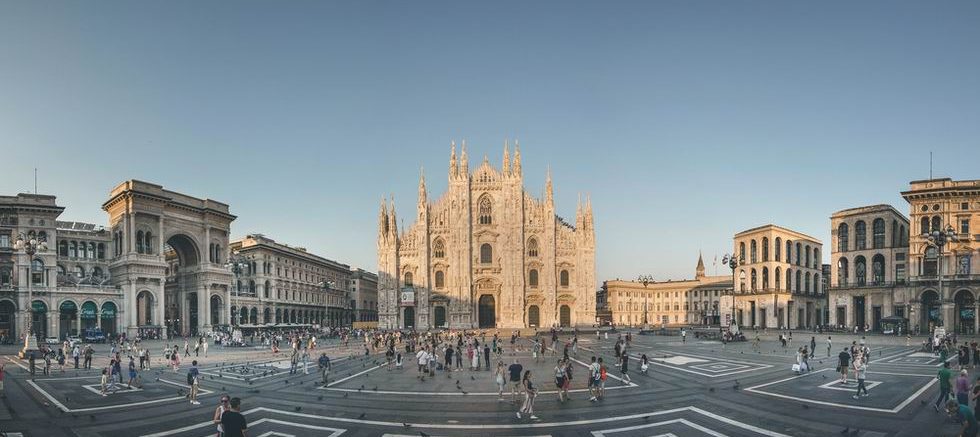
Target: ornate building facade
(486, 255)
(869, 270)
(663, 303)
(779, 279)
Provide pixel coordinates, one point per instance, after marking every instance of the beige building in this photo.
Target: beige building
(869, 259)
(69, 284)
(364, 295)
(945, 280)
(683, 302)
(486, 254)
(779, 279)
(288, 285)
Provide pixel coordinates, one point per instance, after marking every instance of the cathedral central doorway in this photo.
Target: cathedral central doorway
(487, 312)
(409, 317)
(565, 316)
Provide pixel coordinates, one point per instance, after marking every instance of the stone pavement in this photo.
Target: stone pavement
(693, 388)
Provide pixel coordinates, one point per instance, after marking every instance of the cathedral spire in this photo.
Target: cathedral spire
(452, 161)
(506, 166)
(464, 164)
(548, 192)
(392, 221)
(383, 219)
(517, 158)
(422, 195)
(699, 272)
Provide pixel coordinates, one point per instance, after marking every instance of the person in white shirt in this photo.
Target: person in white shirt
(423, 359)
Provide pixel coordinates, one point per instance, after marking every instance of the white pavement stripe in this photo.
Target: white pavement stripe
(355, 375)
(16, 362)
(905, 403)
(666, 422)
(434, 393)
(64, 408)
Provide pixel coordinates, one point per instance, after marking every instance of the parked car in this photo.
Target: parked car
(73, 340)
(94, 336)
(52, 340)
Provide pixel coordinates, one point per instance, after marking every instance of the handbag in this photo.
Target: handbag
(796, 368)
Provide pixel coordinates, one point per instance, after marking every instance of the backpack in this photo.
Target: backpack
(190, 379)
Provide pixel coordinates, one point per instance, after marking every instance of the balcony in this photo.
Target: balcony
(869, 284)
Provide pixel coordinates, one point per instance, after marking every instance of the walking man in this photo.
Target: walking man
(945, 384)
(324, 363)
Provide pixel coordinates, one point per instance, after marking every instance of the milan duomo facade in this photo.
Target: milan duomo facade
(486, 255)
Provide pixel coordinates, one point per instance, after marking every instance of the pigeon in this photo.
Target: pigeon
(362, 415)
(91, 417)
(824, 376)
(422, 434)
(345, 395)
(711, 389)
(375, 388)
(298, 408)
(465, 392)
(66, 399)
(406, 424)
(845, 430)
(805, 406)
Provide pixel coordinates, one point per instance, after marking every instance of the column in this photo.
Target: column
(78, 321)
(160, 236)
(185, 314)
(54, 318)
(203, 310)
(976, 319)
(848, 312)
(158, 309)
(130, 309)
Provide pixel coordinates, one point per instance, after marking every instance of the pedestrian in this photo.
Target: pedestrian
(88, 356)
(969, 427)
(112, 376)
(944, 384)
(813, 344)
(61, 361)
(458, 353)
(500, 379)
(602, 379)
(515, 378)
(132, 372)
(486, 354)
(193, 381)
(644, 364)
(197, 348)
(860, 369)
(75, 354)
(2, 374)
(624, 367)
(293, 361)
(843, 361)
(104, 382)
(560, 376)
(232, 421)
(594, 377)
(535, 349)
(683, 335)
(223, 406)
(205, 346)
(829, 345)
(963, 388)
(324, 365)
(529, 394)
(47, 362)
(306, 359)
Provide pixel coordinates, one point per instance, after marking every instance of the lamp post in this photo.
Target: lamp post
(30, 245)
(645, 279)
(326, 285)
(239, 265)
(939, 239)
(733, 263)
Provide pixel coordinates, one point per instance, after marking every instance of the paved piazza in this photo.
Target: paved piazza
(694, 388)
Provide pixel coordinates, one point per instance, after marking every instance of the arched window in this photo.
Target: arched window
(806, 283)
(486, 253)
(816, 258)
(924, 225)
(765, 248)
(816, 283)
(778, 247)
(755, 283)
(808, 252)
(440, 279)
(211, 252)
(741, 251)
(878, 233)
(937, 223)
(532, 248)
(842, 237)
(486, 210)
(860, 271)
(799, 257)
(139, 241)
(778, 283)
(799, 277)
(878, 269)
(97, 273)
(753, 250)
(765, 278)
(860, 235)
(79, 272)
(63, 248)
(101, 251)
(251, 288)
(563, 278)
(83, 250)
(741, 281)
(439, 249)
(73, 249)
(903, 238)
(532, 278)
(789, 279)
(408, 280)
(266, 290)
(789, 252)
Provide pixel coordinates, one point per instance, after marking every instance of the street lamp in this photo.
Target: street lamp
(733, 263)
(645, 279)
(326, 286)
(30, 245)
(239, 265)
(939, 239)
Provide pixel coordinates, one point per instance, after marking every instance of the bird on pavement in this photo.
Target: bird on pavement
(362, 415)
(422, 434)
(406, 424)
(298, 408)
(345, 395)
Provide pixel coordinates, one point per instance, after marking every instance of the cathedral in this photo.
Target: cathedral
(486, 255)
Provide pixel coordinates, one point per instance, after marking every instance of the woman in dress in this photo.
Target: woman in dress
(475, 358)
(530, 392)
(501, 380)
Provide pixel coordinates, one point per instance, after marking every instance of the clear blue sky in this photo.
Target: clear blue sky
(686, 121)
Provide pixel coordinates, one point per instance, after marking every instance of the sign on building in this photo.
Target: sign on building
(408, 298)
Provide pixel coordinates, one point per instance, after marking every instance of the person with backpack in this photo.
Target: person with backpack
(193, 375)
(594, 379)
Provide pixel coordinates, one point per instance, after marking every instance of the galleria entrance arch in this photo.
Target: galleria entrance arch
(169, 249)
